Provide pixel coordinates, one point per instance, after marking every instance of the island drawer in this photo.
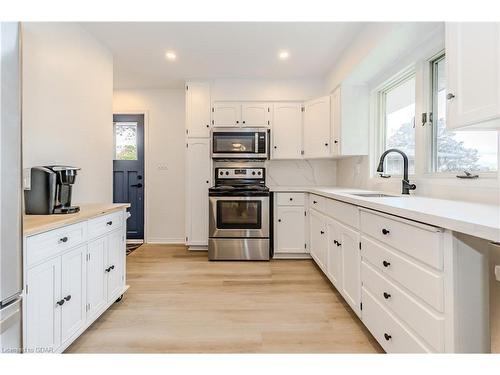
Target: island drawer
(105, 224)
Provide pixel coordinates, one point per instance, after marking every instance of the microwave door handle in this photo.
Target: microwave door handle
(256, 142)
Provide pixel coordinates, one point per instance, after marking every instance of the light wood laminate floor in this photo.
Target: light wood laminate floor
(179, 302)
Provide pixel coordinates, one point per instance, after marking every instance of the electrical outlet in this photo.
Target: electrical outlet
(27, 178)
(162, 167)
(497, 273)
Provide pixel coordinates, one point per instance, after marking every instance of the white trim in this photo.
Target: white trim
(166, 241)
(145, 113)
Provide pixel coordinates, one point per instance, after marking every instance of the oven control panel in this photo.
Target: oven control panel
(239, 173)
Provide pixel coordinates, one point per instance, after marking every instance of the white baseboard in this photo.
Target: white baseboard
(135, 241)
(198, 248)
(166, 241)
(291, 256)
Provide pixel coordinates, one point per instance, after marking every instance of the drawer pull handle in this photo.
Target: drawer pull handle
(109, 223)
(385, 231)
(387, 336)
(61, 302)
(386, 263)
(64, 239)
(387, 295)
(68, 297)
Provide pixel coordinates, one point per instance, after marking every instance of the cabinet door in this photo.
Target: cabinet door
(287, 131)
(197, 183)
(73, 292)
(43, 314)
(290, 230)
(317, 128)
(226, 114)
(473, 72)
(334, 258)
(97, 292)
(256, 114)
(336, 117)
(198, 109)
(116, 254)
(319, 238)
(351, 265)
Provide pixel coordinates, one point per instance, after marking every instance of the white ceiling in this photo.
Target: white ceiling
(220, 50)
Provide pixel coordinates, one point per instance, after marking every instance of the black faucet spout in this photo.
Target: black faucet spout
(406, 182)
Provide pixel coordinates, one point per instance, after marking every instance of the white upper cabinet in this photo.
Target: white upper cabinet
(350, 108)
(317, 132)
(198, 109)
(256, 114)
(226, 114)
(286, 132)
(473, 75)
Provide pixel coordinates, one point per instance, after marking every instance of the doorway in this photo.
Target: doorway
(128, 169)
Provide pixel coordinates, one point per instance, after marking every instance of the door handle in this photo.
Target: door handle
(139, 185)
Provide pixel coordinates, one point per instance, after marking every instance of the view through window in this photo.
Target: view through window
(125, 140)
(474, 151)
(398, 111)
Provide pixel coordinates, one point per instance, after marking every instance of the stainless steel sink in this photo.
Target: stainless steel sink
(373, 195)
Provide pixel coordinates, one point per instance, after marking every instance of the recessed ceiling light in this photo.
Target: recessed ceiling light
(283, 55)
(170, 55)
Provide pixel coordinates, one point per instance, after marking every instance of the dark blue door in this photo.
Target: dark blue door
(128, 169)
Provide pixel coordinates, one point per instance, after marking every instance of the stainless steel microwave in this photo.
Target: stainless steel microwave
(240, 143)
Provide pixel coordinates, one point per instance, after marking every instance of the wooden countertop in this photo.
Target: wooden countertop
(33, 224)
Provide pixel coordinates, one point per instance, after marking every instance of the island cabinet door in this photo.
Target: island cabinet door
(73, 292)
(114, 269)
(97, 289)
(43, 312)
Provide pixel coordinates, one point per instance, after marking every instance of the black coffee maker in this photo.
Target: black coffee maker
(50, 191)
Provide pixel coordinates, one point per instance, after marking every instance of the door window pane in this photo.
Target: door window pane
(474, 151)
(125, 140)
(399, 130)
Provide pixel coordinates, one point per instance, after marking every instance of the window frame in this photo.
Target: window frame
(380, 122)
(430, 147)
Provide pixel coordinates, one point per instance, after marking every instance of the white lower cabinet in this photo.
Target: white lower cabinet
(351, 263)
(290, 230)
(68, 289)
(319, 238)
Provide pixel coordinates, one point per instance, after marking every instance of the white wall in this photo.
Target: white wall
(165, 155)
(67, 105)
(281, 172)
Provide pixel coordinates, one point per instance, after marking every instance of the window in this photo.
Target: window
(397, 117)
(125, 140)
(454, 152)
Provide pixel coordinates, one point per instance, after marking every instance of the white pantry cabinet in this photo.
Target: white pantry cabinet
(286, 131)
(198, 179)
(66, 289)
(317, 131)
(250, 114)
(473, 75)
(198, 109)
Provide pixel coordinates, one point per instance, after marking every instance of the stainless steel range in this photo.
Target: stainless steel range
(239, 206)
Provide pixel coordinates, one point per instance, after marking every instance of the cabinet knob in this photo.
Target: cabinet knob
(61, 302)
(315, 202)
(207, 181)
(243, 121)
(322, 232)
(64, 239)
(385, 231)
(68, 297)
(208, 126)
(291, 199)
(279, 220)
(336, 141)
(275, 147)
(450, 96)
(326, 144)
(108, 269)
(237, 122)
(335, 242)
(386, 263)
(112, 267)
(387, 295)
(109, 223)
(387, 336)
(338, 243)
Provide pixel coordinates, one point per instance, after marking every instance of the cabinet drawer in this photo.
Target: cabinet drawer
(104, 224)
(290, 199)
(48, 244)
(423, 242)
(319, 203)
(425, 283)
(425, 323)
(391, 333)
(343, 212)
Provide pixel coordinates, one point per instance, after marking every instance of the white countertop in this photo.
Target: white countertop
(476, 219)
